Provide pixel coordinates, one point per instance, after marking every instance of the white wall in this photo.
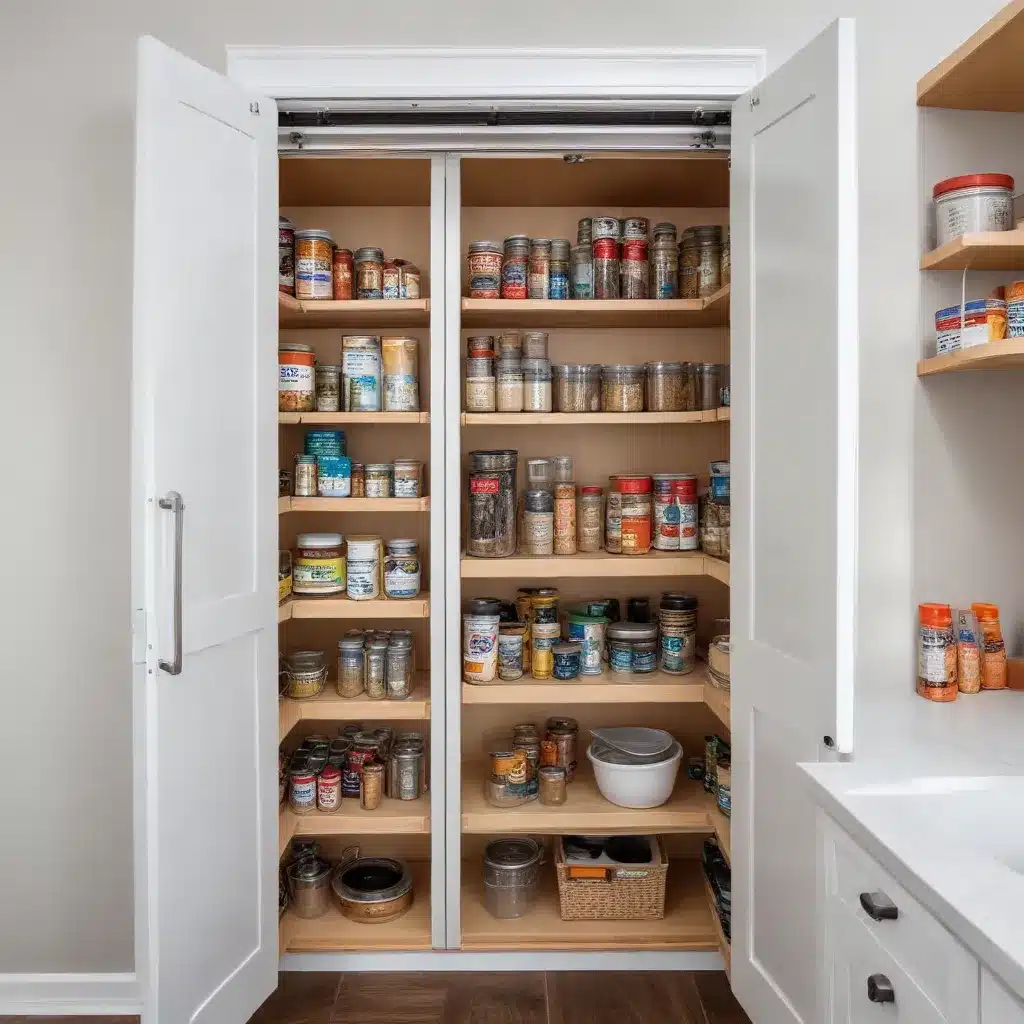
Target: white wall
(67, 75)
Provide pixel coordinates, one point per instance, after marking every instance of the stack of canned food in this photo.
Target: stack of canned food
(311, 267)
(533, 764)
(612, 259)
(512, 372)
(360, 763)
(326, 565)
(374, 374)
(555, 516)
(503, 642)
(323, 469)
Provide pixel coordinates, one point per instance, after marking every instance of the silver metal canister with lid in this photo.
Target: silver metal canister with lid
(511, 876)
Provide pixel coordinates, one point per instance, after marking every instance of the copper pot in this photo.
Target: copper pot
(373, 889)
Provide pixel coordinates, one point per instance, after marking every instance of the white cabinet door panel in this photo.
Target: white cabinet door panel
(998, 1004)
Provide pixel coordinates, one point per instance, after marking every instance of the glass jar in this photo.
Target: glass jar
(551, 782)
(558, 283)
(634, 513)
(581, 272)
(307, 673)
(622, 388)
(344, 271)
(535, 345)
(536, 385)
(314, 253)
(516, 257)
(589, 518)
(709, 263)
(358, 480)
(408, 482)
(538, 523)
(363, 582)
(328, 387)
(576, 387)
(606, 268)
(377, 480)
(295, 378)
(376, 668)
(666, 387)
(565, 519)
(481, 394)
(400, 364)
(509, 387)
(707, 377)
(689, 265)
(491, 531)
(306, 474)
(633, 269)
(665, 267)
(369, 268)
(485, 259)
(402, 569)
(399, 669)
(319, 567)
(632, 647)
(539, 276)
(351, 666)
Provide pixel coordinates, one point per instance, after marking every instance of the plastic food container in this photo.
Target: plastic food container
(975, 323)
(637, 785)
(972, 202)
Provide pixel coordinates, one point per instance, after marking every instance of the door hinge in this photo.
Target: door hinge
(254, 108)
(755, 100)
(706, 140)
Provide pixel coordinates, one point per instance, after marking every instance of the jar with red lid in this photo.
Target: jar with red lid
(606, 268)
(343, 271)
(972, 202)
(634, 512)
(634, 269)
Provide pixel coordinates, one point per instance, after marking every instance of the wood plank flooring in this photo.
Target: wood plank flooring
(701, 997)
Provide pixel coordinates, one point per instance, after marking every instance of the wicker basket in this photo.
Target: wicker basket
(629, 893)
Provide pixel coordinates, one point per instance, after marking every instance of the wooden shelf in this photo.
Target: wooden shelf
(586, 811)
(329, 707)
(724, 947)
(338, 419)
(302, 314)
(598, 565)
(716, 568)
(335, 933)
(718, 700)
(284, 504)
(723, 833)
(393, 817)
(710, 312)
(687, 924)
(983, 250)
(356, 505)
(724, 414)
(561, 419)
(610, 688)
(986, 73)
(993, 355)
(346, 608)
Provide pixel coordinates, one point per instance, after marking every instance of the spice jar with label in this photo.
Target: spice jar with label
(665, 267)
(558, 282)
(633, 512)
(543, 637)
(509, 386)
(285, 256)
(314, 251)
(633, 269)
(296, 390)
(589, 519)
(371, 786)
(633, 647)
(936, 653)
(581, 271)
(361, 366)
(351, 666)
(677, 617)
(319, 567)
(481, 394)
(399, 668)
(328, 387)
(514, 267)
(408, 478)
(358, 480)
(492, 504)
(328, 790)
(564, 505)
(301, 789)
(399, 358)
(305, 476)
(538, 280)
(376, 668)
(709, 266)
(538, 523)
(363, 568)
(510, 650)
(485, 270)
(402, 569)
(343, 272)
(377, 480)
(369, 273)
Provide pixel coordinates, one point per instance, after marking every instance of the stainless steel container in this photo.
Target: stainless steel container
(309, 883)
(511, 876)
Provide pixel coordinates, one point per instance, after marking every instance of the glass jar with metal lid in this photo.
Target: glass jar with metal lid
(408, 478)
(514, 267)
(485, 259)
(666, 387)
(558, 283)
(351, 665)
(399, 668)
(576, 387)
(378, 480)
(402, 568)
(508, 385)
(632, 647)
(307, 673)
(369, 266)
(622, 388)
(534, 345)
(536, 385)
(319, 566)
(709, 264)
(538, 279)
(376, 668)
(665, 267)
(314, 256)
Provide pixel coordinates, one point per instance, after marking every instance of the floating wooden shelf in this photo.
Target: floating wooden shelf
(561, 419)
(346, 608)
(724, 947)
(303, 314)
(600, 564)
(335, 933)
(329, 707)
(723, 832)
(718, 700)
(717, 568)
(609, 688)
(337, 419)
(983, 250)
(585, 811)
(687, 924)
(355, 505)
(710, 312)
(985, 73)
(994, 355)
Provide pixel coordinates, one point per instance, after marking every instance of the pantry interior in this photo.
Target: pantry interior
(427, 209)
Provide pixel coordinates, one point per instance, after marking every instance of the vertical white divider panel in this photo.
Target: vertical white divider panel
(452, 549)
(438, 555)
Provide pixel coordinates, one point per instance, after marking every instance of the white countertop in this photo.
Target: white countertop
(948, 825)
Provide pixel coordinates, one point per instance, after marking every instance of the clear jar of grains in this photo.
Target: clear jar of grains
(351, 667)
(589, 519)
(622, 388)
(576, 387)
(666, 387)
(509, 386)
(536, 385)
(378, 481)
(408, 478)
(376, 668)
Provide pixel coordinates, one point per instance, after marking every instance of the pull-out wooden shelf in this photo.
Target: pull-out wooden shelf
(340, 419)
(559, 419)
(983, 250)
(346, 608)
(608, 688)
(994, 355)
(718, 700)
(599, 564)
(353, 505)
(687, 924)
(312, 313)
(724, 947)
(393, 817)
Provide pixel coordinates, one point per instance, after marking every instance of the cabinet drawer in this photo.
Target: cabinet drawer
(856, 957)
(945, 971)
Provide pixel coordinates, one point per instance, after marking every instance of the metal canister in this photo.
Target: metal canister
(514, 264)
(408, 771)
(538, 281)
(362, 752)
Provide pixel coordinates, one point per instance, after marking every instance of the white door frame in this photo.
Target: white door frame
(395, 77)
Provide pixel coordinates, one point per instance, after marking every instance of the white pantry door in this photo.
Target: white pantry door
(794, 493)
(205, 429)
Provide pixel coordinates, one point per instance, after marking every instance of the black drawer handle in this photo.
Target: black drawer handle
(880, 989)
(878, 906)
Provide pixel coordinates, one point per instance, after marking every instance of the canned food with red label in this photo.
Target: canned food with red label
(328, 789)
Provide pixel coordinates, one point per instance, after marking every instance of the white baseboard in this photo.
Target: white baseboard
(64, 994)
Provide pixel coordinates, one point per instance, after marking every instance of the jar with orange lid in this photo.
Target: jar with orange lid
(993, 648)
(936, 653)
(296, 387)
(634, 513)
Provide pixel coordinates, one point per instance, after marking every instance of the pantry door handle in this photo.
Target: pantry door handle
(878, 906)
(173, 504)
(880, 989)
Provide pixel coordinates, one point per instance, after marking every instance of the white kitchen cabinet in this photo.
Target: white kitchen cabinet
(998, 1004)
(793, 214)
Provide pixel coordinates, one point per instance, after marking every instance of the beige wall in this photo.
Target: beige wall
(67, 77)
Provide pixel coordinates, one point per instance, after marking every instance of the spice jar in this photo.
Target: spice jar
(510, 345)
(305, 476)
(363, 568)
(358, 480)
(622, 388)
(390, 280)
(539, 274)
(558, 283)
(369, 273)
(588, 630)
(538, 523)
(634, 513)
(510, 650)
(319, 566)
(536, 385)
(514, 267)
(708, 239)
(351, 666)
(553, 790)
(993, 649)
(480, 640)
(377, 480)
(371, 786)
(328, 387)
(936, 653)
(576, 387)
(566, 660)
(328, 790)
(632, 647)
(675, 512)
(285, 256)
(485, 271)
(407, 475)
(314, 250)
(492, 504)
(399, 358)
(581, 271)
(343, 272)
(301, 790)
(589, 518)
(677, 617)
(535, 345)
(399, 668)
(633, 269)
(402, 569)
(606, 268)
(295, 387)
(665, 267)
(665, 387)
(376, 668)
(509, 386)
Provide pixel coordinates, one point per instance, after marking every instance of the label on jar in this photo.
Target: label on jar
(318, 575)
(678, 652)
(538, 533)
(407, 486)
(644, 660)
(303, 792)
(328, 793)
(480, 394)
(401, 392)
(295, 377)
(286, 260)
(364, 394)
(335, 486)
(565, 525)
(484, 485)
(932, 663)
(613, 523)
(391, 287)
(401, 576)
(513, 279)
(362, 579)
(620, 657)
(558, 285)
(590, 636)
(314, 278)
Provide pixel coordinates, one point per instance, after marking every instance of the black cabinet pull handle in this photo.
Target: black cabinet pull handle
(878, 906)
(880, 989)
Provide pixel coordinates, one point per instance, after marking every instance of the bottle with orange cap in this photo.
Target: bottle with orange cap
(993, 649)
(936, 653)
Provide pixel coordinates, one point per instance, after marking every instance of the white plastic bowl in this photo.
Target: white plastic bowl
(636, 785)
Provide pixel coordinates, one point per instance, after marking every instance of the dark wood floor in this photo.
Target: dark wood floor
(702, 997)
